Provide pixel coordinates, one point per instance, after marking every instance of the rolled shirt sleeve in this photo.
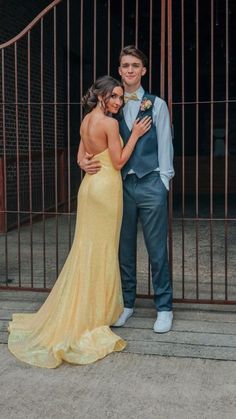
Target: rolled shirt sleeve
(161, 120)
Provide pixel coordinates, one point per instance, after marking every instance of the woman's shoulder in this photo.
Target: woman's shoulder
(110, 122)
(101, 124)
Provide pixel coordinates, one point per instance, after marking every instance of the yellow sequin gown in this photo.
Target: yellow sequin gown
(73, 323)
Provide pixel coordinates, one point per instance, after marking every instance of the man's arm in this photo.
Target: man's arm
(84, 161)
(161, 119)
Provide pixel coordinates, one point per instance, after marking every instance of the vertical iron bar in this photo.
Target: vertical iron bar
(183, 143)
(30, 156)
(81, 63)
(169, 41)
(2, 197)
(94, 39)
(122, 23)
(211, 144)
(170, 105)
(17, 160)
(55, 127)
(136, 23)
(42, 147)
(68, 124)
(81, 55)
(226, 140)
(163, 48)
(150, 44)
(108, 37)
(150, 88)
(197, 150)
(4, 164)
(149, 278)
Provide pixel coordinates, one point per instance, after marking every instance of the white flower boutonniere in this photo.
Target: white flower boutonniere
(145, 104)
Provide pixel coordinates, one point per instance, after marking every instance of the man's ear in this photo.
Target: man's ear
(119, 71)
(144, 70)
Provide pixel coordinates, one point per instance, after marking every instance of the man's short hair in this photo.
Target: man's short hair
(135, 52)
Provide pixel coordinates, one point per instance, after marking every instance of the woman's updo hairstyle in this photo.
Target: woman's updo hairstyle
(103, 87)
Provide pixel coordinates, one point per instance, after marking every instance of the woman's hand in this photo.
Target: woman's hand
(141, 126)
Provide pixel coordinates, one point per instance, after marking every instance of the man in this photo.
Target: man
(145, 185)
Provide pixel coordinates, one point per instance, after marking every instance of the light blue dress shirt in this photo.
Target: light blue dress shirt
(161, 120)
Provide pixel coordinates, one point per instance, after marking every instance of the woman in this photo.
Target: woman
(73, 323)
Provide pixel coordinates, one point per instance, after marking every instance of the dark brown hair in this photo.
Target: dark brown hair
(103, 87)
(135, 52)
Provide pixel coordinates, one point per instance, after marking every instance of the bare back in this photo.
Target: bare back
(93, 133)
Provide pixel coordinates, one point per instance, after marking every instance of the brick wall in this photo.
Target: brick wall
(15, 16)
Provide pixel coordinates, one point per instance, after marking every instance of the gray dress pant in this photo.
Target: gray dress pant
(146, 199)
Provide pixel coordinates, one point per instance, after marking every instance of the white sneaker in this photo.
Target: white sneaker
(127, 313)
(163, 322)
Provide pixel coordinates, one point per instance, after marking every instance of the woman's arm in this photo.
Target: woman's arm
(81, 152)
(119, 156)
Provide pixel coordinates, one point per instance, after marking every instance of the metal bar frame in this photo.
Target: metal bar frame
(166, 68)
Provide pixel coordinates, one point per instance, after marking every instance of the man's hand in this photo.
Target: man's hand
(89, 166)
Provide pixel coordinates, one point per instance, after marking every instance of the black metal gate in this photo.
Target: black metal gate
(202, 98)
(44, 72)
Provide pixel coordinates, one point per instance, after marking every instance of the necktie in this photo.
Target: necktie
(133, 96)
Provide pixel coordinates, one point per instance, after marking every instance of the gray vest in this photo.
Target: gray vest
(144, 158)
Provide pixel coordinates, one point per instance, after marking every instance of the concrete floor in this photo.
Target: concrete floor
(187, 373)
(194, 378)
(120, 386)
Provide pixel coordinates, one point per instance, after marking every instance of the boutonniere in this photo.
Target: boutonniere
(145, 104)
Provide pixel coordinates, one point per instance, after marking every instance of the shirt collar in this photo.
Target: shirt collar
(139, 92)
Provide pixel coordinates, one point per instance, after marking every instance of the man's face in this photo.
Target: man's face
(131, 71)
